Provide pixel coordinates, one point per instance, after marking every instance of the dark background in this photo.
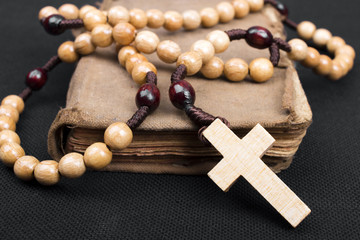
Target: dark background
(325, 172)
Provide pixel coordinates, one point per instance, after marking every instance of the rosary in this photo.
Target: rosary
(120, 26)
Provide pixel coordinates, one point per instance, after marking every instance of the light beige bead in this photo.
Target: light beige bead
(83, 44)
(138, 18)
(312, 59)
(213, 68)
(69, 11)
(334, 43)
(347, 60)
(67, 53)
(124, 33)
(72, 165)
(209, 17)
(155, 18)
(24, 167)
(10, 152)
(242, 8)
(192, 19)
(168, 51)
(47, 11)
(124, 53)
(324, 66)
(236, 69)
(321, 37)
(140, 70)
(47, 172)
(173, 21)
(298, 50)
(192, 61)
(85, 9)
(306, 30)
(255, 5)
(205, 49)
(94, 18)
(146, 42)
(9, 136)
(97, 156)
(7, 123)
(10, 112)
(118, 135)
(14, 101)
(118, 14)
(219, 39)
(101, 35)
(336, 72)
(261, 69)
(226, 11)
(133, 60)
(346, 50)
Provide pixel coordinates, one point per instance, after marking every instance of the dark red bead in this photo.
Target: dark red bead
(148, 95)
(36, 78)
(52, 24)
(283, 10)
(259, 37)
(182, 94)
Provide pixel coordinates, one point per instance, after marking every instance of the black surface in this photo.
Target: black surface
(325, 172)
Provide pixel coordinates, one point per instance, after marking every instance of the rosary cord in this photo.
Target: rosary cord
(71, 23)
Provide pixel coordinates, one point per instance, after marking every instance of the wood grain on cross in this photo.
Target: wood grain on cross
(242, 158)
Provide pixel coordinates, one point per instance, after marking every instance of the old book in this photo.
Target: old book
(101, 92)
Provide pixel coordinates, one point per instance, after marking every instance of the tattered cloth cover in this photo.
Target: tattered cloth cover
(102, 92)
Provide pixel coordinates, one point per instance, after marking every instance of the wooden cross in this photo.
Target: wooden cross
(242, 158)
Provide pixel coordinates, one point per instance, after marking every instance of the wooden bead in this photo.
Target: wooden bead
(346, 50)
(72, 165)
(133, 60)
(343, 64)
(69, 11)
(24, 167)
(334, 43)
(336, 72)
(256, 5)
(298, 50)
(324, 66)
(83, 44)
(124, 33)
(205, 49)
(242, 8)
(101, 35)
(321, 37)
(118, 14)
(213, 68)
(94, 18)
(124, 53)
(140, 70)
(67, 53)
(97, 156)
(47, 11)
(236, 69)
(47, 172)
(191, 19)
(85, 9)
(138, 18)
(146, 42)
(9, 136)
(118, 136)
(219, 39)
(226, 11)
(173, 21)
(10, 152)
(192, 61)
(306, 30)
(14, 101)
(155, 18)
(209, 17)
(261, 69)
(312, 59)
(10, 112)
(168, 51)
(347, 60)
(7, 123)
